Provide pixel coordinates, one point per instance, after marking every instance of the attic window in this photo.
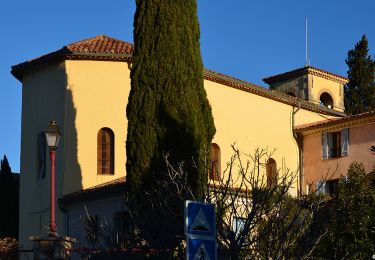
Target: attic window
(326, 100)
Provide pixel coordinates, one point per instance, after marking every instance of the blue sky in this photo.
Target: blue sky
(246, 39)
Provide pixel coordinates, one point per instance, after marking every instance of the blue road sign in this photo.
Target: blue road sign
(201, 249)
(200, 219)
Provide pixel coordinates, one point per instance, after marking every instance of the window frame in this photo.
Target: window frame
(335, 144)
(215, 163)
(271, 173)
(106, 137)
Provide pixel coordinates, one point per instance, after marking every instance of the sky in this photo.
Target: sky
(246, 39)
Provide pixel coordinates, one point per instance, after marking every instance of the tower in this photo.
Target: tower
(312, 84)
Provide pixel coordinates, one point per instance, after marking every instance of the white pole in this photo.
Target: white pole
(307, 50)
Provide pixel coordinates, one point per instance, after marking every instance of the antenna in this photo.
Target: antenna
(307, 50)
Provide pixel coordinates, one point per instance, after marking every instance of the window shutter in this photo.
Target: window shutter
(345, 142)
(319, 188)
(42, 145)
(322, 187)
(324, 146)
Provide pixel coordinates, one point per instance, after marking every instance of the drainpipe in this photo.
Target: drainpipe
(299, 142)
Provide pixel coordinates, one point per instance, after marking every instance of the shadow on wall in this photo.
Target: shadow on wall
(46, 97)
(72, 180)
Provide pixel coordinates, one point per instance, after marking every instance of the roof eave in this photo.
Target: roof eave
(309, 70)
(272, 94)
(64, 54)
(342, 123)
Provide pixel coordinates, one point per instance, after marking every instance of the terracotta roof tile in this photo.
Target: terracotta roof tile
(334, 121)
(102, 47)
(101, 44)
(302, 71)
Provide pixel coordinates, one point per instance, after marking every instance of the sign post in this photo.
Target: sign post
(200, 230)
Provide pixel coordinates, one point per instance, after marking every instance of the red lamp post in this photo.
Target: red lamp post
(53, 137)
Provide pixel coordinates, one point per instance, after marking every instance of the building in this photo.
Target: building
(330, 146)
(84, 86)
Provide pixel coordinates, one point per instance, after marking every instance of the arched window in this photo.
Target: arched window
(326, 100)
(272, 174)
(215, 162)
(106, 151)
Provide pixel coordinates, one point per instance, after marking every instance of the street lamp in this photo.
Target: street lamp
(53, 137)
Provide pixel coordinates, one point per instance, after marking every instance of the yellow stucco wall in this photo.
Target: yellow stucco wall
(319, 85)
(100, 92)
(83, 97)
(251, 121)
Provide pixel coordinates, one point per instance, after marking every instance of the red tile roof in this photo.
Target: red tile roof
(101, 44)
(102, 47)
(351, 120)
(303, 71)
(267, 93)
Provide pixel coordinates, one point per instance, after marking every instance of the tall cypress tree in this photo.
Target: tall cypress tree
(360, 91)
(168, 113)
(5, 167)
(9, 196)
(168, 110)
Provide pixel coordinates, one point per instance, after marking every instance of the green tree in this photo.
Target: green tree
(168, 111)
(9, 195)
(360, 90)
(352, 233)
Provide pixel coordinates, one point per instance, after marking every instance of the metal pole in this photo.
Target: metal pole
(53, 227)
(307, 50)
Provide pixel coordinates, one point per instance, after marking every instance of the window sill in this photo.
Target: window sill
(334, 158)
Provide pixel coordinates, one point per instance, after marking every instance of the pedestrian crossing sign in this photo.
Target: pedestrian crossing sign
(201, 249)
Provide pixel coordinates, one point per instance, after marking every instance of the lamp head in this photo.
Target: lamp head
(53, 135)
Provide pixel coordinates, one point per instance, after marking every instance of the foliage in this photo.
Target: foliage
(352, 235)
(165, 212)
(256, 221)
(168, 110)
(168, 113)
(9, 195)
(360, 91)
(8, 248)
(141, 245)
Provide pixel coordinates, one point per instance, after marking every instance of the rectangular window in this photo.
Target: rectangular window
(335, 144)
(328, 187)
(238, 225)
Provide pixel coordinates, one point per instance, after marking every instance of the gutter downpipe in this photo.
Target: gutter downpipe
(299, 142)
